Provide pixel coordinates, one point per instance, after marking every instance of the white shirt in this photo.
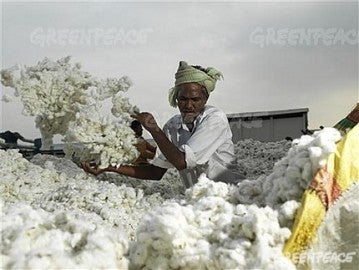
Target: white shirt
(208, 147)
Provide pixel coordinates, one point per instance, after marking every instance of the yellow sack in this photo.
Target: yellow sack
(341, 171)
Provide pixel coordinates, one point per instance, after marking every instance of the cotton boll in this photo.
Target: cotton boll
(110, 87)
(250, 191)
(205, 187)
(286, 213)
(199, 253)
(303, 141)
(120, 106)
(229, 259)
(315, 153)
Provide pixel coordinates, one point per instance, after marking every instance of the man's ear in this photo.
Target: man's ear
(205, 93)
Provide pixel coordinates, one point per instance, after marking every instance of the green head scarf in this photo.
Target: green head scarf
(188, 74)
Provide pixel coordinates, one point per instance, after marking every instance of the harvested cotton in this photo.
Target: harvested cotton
(292, 174)
(169, 187)
(205, 228)
(103, 140)
(56, 187)
(50, 90)
(257, 158)
(207, 231)
(58, 92)
(287, 212)
(33, 238)
(22, 181)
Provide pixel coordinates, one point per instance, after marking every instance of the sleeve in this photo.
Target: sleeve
(160, 160)
(209, 135)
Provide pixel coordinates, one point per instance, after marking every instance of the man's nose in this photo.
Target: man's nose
(189, 104)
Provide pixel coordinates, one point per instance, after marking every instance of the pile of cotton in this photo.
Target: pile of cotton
(66, 100)
(61, 216)
(211, 229)
(256, 158)
(50, 90)
(66, 187)
(251, 155)
(293, 173)
(207, 230)
(103, 140)
(36, 239)
(169, 187)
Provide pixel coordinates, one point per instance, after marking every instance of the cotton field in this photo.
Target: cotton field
(54, 215)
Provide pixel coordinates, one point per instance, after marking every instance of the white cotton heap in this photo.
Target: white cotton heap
(65, 187)
(51, 91)
(22, 181)
(212, 225)
(256, 158)
(169, 187)
(293, 173)
(36, 239)
(55, 91)
(208, 231)
(102, 139)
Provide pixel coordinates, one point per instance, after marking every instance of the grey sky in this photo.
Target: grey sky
(322, 77)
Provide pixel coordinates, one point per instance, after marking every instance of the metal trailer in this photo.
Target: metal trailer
(269, 126)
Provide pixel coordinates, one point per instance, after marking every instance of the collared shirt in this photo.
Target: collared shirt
(208, 147)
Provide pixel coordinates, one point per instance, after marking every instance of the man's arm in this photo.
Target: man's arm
(169, 150)
(146, 149)
(147, 172)
(150, 147)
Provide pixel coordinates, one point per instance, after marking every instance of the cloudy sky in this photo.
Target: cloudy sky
(274, 55)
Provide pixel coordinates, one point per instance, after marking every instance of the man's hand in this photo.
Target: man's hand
(147, 121)
(93, 170)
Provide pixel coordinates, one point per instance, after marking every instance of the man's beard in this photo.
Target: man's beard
(189, 118)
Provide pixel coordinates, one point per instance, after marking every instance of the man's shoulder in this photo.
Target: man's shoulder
(214, 112)
(174, 121)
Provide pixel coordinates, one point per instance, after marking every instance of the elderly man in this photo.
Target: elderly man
(196, 141)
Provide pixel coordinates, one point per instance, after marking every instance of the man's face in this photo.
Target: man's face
(191, 100)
